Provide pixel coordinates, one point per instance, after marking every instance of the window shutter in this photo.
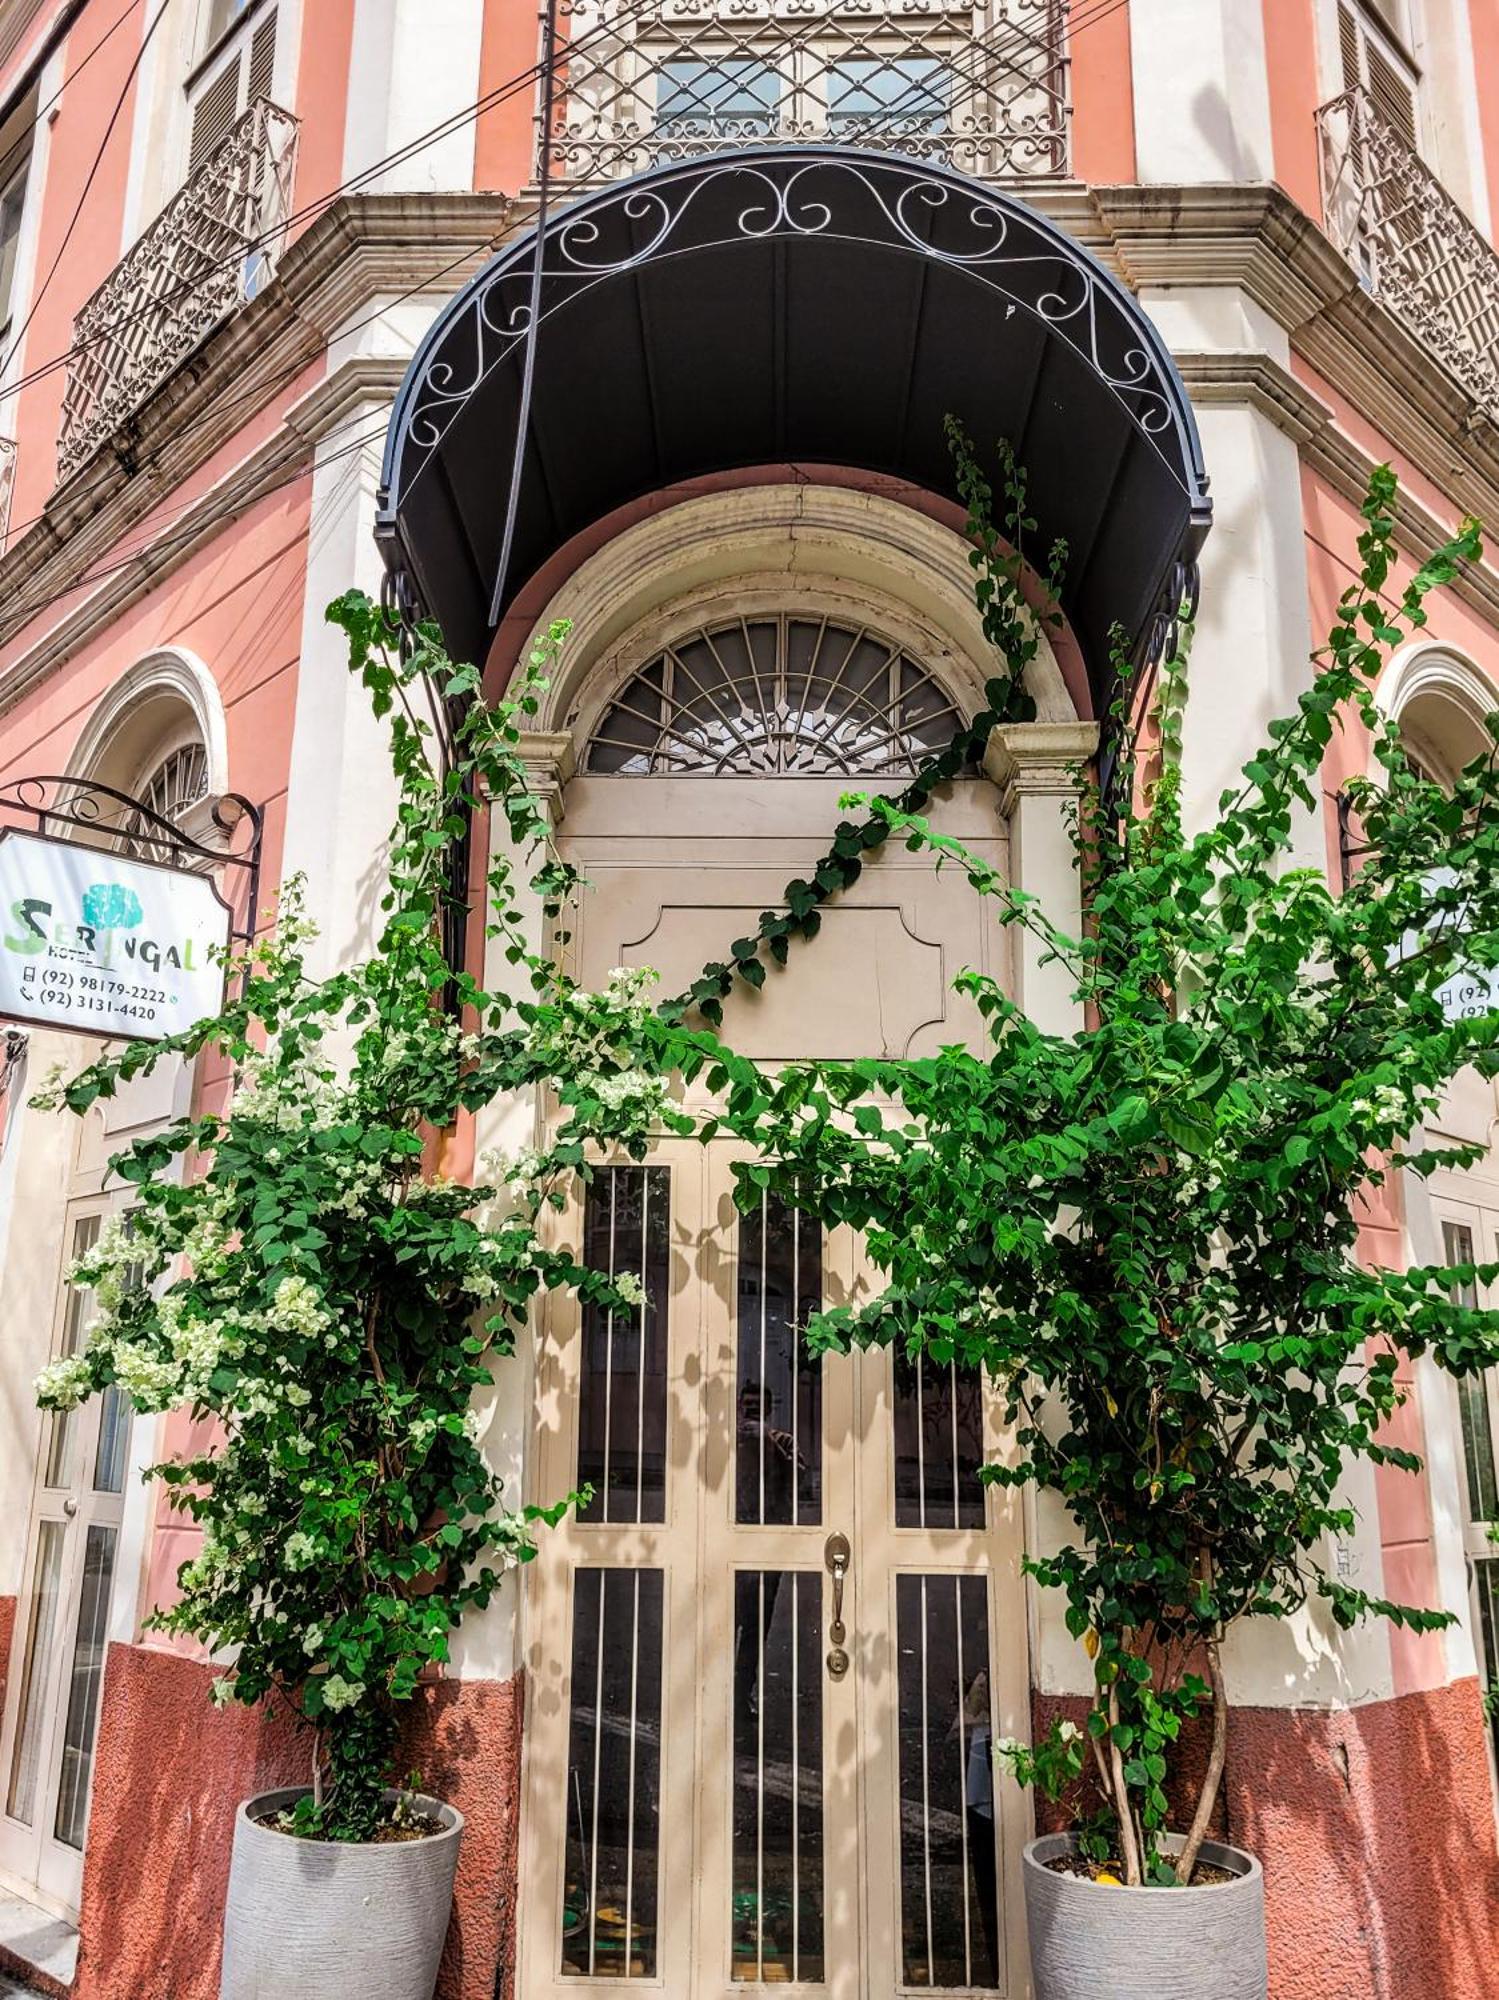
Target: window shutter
(214, 116)
(1393, 96)
(262, 60)
(1348, 50)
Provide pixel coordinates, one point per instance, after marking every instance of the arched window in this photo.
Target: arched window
(171, 791)
(782, 695)
(1439, 702)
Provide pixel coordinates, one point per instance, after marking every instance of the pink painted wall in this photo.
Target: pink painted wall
(237, 605)
(1103, 98)
(1291, 59)
(505, 134)
(1406, 1529)
(322, 101)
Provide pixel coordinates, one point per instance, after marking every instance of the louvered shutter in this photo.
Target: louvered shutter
(1366, 66)
(221, 103)
(1348, 50)
(214, 116)
(262, 60)
(1392, 94)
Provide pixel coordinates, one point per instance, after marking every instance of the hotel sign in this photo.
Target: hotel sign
(106, 946)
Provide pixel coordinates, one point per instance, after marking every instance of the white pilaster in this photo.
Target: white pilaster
(1252, 656)
(490, 1643)
(414, 65)
(1202, 95)
(1036, 767)
(340, 793)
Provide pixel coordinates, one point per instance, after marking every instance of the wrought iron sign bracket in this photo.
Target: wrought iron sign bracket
(86, 805)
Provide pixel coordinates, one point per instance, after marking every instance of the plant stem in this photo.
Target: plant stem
(1207, 1798)
(1129, 1847)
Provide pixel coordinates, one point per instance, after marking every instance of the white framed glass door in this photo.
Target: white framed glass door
(769, 1660)
(53, 1691)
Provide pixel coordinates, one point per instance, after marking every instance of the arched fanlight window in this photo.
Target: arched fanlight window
(783, 696)
(173, 787)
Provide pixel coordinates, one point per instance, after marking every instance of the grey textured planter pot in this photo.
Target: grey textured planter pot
(1145, 1944)
(321, 1917)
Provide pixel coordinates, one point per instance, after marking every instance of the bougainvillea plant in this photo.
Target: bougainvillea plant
(1144, 1231)
(290, 1266)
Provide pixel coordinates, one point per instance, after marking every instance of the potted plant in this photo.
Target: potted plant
(1144, 1232)
(290, 1269)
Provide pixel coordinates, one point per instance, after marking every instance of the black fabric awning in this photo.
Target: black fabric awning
(818, 304)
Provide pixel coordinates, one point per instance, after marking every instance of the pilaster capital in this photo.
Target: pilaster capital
(1029, 758)
(550, 758)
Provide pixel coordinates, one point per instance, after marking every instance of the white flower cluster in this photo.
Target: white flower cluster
(339, 1693)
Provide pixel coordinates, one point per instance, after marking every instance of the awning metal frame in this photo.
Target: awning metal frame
(613, 260)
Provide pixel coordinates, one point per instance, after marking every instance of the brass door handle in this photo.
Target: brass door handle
(836, 1554)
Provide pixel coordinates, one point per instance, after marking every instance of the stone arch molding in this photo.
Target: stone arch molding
(170, 676)
(1432, 673)
(818, 548)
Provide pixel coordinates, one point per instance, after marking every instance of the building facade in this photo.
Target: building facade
(269, 271)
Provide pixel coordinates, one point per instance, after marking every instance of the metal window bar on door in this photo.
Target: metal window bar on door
(982, 88)
(613, 1809)
(622, 1402)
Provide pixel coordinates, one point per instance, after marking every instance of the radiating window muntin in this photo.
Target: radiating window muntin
(780, 695)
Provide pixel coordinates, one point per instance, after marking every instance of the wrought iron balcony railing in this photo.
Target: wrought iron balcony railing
(212, 247)
(981, 87)
(1411, 244)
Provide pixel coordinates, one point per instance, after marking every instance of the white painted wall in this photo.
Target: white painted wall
(1202, 98)
(400, 90)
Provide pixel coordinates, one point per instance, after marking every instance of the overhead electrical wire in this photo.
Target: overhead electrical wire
(971, 69)
(67, 236)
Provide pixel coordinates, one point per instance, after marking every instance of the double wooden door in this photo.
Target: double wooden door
(770, 1656)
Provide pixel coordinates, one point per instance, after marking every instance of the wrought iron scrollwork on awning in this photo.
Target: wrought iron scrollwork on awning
(812, 305)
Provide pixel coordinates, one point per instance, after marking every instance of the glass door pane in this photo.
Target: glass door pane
(36, 1675)
(84, 1681)
(77, 1314)
(776, 1890)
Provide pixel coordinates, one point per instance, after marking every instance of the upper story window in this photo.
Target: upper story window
(239, 43)
(982, 87)
(12, 201)
(15, 169)
(1372, 50)
(787, 696)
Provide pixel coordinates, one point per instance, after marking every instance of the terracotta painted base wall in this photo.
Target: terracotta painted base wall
(169, 1774)
(1376, 1829)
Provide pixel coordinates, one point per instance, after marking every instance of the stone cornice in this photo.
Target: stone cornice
(362, 249)
(1256, 239)
(1258, 382)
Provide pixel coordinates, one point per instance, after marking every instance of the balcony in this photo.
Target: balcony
(982, 88)
(212, 247)
(1412, 246)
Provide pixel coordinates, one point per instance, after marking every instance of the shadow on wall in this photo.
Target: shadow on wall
(1375, 1827)
(170, 1774)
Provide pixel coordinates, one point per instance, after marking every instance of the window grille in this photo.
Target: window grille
(805, 697)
